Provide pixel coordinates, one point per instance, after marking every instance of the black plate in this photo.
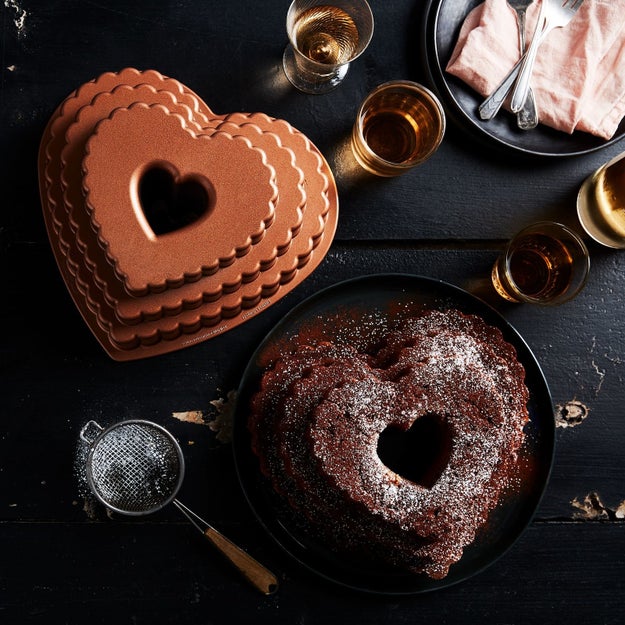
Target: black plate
(366, 298)
(443, 19)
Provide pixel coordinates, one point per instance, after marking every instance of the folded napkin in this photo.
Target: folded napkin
(579, 75)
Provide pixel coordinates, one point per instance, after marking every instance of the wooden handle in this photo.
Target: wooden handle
(263, 579)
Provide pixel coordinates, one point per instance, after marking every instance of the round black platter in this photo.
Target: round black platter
(376, 297)
(443, 19)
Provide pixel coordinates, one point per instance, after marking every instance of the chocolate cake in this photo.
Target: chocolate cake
(398, 452)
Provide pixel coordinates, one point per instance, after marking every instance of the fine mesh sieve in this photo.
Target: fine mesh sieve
(136, 467)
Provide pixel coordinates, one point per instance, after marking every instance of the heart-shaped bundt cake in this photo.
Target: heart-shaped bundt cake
(398, 451)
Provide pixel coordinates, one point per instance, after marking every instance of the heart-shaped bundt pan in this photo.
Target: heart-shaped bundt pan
(171, 224)
(237, 180)
(126, 308)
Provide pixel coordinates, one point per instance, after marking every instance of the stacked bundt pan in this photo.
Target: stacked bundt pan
(171, 224)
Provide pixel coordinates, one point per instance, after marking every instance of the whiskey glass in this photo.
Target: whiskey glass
(399, 125)
(324, 38)
(546, 263)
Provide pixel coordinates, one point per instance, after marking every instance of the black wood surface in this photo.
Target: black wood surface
(63, 559)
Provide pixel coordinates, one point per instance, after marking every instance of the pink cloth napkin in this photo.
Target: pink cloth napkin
(579, 76)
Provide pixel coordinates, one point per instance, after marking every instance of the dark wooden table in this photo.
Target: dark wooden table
(64, 560)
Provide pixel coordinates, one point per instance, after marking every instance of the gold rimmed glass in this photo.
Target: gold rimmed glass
(324, 38)
(601, 204)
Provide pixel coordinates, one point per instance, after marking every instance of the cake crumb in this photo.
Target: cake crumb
(190, 416)
(592, 508)
(218, 419)
(571, 414)
(89, 507)
(222, 423)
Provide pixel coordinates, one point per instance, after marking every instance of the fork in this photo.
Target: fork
(527, 117)
(553, 14)
(491, 105)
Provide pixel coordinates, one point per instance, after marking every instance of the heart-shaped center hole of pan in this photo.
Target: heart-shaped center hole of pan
(420, 453)
(171, 202)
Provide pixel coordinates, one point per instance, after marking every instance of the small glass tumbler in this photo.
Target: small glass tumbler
(601, 204)
(399, 125)
(546, 263)
(323, 39)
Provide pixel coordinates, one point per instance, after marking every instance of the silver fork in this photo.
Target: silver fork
(553, 14)
(527, 117)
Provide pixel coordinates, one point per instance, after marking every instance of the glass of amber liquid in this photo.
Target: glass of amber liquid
(323, 40)
(601, 204)
(546, 263)
(399, 125)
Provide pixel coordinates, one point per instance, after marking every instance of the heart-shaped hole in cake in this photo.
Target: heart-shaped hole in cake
(420, 453)
(170, 202)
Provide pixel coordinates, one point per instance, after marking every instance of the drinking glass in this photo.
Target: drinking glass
(323, 40)
(601, 204)
(399, 125)
(546, 263)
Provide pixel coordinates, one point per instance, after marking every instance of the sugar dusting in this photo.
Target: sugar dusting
(444, 363)
(19, 15)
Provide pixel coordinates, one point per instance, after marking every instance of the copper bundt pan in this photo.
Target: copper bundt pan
(265, 204)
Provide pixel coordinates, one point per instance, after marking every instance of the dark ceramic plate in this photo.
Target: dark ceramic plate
(358, 302)
(443, 19)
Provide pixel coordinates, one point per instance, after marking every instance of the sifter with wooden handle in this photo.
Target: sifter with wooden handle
(136, 467)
